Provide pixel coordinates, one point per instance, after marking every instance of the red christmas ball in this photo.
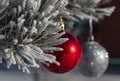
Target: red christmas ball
(69, 57)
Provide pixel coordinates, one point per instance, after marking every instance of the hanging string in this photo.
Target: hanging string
(91, 38)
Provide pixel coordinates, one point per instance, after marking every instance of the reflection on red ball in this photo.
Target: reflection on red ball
(69, 57)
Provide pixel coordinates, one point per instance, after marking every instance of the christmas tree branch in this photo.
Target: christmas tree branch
(25, 27)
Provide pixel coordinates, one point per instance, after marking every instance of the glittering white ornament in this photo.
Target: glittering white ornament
(95, 59)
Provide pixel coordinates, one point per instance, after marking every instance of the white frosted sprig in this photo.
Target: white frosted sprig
(29, 53)
(94, 13)
(3, 6)
(107, 11)
(26, 29)
(52, 48)
(33, 28)
(33, 5)
(27, 40)
(48, 9)
(23, 32)
(86, 3)
(88, 9)
(54, 43)
(44, 23)
(55, 37)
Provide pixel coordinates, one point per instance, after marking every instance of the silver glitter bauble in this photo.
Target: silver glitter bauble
(94, 60)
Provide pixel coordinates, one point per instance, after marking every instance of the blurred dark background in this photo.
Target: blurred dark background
(109, 31)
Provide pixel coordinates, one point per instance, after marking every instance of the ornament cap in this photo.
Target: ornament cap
(91, 38)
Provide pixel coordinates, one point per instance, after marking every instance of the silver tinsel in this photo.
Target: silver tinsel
(94, 59)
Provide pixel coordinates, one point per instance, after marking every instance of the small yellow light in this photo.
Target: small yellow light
(62, 23)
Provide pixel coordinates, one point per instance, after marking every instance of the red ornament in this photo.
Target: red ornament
(69, 57)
